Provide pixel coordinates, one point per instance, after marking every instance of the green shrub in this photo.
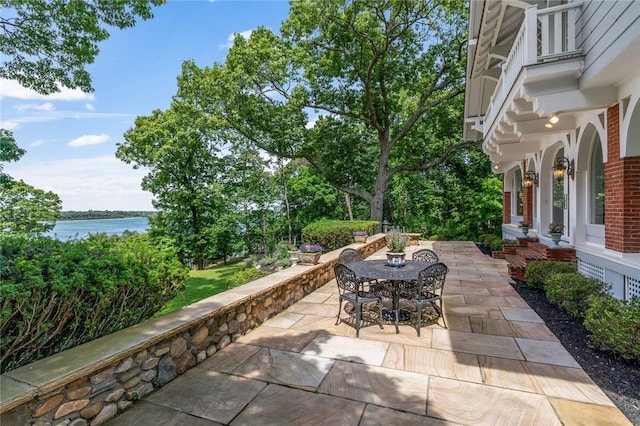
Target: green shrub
(570, 291)
(246, 275)
(55, 295)
(333, 234)
(536, 273)
(614, 326)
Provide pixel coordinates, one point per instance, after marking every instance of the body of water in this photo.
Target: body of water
(69, 229)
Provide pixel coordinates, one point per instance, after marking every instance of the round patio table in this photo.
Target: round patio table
(381, 270)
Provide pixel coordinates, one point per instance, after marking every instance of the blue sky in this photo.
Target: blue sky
(71, 137)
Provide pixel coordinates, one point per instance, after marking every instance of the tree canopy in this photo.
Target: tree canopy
(45, 44)
(23, 208)
(363, 90)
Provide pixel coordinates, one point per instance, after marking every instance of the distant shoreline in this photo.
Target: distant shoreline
(102, 218)
(71, 215)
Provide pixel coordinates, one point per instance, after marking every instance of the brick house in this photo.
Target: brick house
(553, 91)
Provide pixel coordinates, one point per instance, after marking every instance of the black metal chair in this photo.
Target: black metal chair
(426, 255)
(349, 287)
(349, 255)
(427, 290)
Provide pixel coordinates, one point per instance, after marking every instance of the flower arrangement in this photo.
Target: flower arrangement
(396, 241)
(360, 233)
(524, 224)
(310, 248)
(556, 228)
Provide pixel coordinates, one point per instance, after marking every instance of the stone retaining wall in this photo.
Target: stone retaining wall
(91, 383)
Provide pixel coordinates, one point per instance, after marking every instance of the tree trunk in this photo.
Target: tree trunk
(286, 200)
(196, 231)
(347, 199)
(376, 206)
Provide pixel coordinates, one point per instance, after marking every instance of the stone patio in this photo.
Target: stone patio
(495, 364)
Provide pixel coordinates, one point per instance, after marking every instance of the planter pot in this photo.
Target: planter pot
(395, 259)
(310, 258)
(294, 256)
(360, 238)
(555, 237)
(525, 230)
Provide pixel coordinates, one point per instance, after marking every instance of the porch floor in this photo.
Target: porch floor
(496, 364)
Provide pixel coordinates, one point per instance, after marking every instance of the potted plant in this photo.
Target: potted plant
(396, 242)
(310, 253)
(360, 236)
(294, 253)
(555, 230)
(524, 227)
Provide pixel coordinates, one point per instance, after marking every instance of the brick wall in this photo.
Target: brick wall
(506, 207)
(622, 192)
(527, 204)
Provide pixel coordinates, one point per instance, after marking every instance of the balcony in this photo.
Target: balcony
(543, 61)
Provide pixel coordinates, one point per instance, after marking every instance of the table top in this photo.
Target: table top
(379, 269)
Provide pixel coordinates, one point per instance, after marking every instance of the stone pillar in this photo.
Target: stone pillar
(622, 192)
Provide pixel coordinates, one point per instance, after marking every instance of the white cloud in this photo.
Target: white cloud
(88, 140)
(13, 89)
(47, 106)
(37, 143)
(59, 115)
(89, 107)
(244, 34)
(311, 123)
(9, 124)
(98, 183)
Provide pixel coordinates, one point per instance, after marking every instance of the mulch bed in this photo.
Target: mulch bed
(620, 380)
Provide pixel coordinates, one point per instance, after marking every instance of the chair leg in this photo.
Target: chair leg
(441, 312)
(419, 318)
(358, 309)
(380, 314)
(339, 309)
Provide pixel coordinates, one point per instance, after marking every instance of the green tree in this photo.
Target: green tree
(380, 74)
(180, 149)
(46, 44)
(23, 208)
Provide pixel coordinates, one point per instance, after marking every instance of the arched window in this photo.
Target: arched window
(596, 183)
(559, 196)
(517, 193)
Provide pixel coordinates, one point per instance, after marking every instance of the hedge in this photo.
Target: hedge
(55, 295)
(570, 291)
(537, 273)
(333, 234)
(614, 326)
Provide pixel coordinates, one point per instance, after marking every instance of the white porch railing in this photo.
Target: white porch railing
(554, 38)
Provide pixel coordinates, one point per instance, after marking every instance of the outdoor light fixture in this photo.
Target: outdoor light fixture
(530, 178)
(559, 169)
(496, 166)
(553, 120)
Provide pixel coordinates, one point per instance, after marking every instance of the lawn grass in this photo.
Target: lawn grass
(202, 284)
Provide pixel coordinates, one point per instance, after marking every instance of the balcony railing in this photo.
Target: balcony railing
(545, 35)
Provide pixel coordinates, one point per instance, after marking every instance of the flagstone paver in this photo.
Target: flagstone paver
(496, 363)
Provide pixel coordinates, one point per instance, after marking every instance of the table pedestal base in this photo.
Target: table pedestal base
(390, 315)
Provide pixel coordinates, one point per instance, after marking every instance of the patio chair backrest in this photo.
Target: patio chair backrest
(431, 279)
(426, 255)
(349, 255)
(346, 278)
